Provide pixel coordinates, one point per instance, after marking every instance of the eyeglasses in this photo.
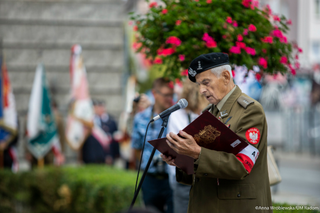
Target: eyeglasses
(169, 95)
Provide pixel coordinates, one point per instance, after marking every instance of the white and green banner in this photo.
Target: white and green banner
(41, 127)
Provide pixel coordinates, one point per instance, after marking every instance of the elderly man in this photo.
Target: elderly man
(223, 182)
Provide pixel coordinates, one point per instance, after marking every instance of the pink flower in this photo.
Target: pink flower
(210, 43)
(135, 28)
(181, 57)
(178, 22)
(289, 22)
(245, 32)
(229, 20)
(157, 61)
(240, 44)
(293, 71)
(153, 4)
(233, 73)
(277, 33)
(239, 37)
(268, 9)
(164, 11)
(235, 50)
(284, 39)
(173, 40)
(250, 50)
(246, 3)
(297, 65)
(235, 24)
(209, 1)
(300, 50)
(267, 39)
(263, 62)
(283, 60)
(252, 28)
(297, 57)
(166, 52)
(276, 18)
(136, 46)
(130, 23)
(254, 4)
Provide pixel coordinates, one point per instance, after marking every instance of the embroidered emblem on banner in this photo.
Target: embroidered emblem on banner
(207, 135)
(253, 135)
(192, 72)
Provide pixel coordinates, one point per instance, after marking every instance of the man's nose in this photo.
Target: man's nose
(202, 89)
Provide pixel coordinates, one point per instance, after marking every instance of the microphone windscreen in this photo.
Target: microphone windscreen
(183, 103)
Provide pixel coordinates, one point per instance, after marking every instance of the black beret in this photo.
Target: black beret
(206, 61)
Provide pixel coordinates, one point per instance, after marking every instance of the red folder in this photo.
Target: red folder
(208, 132)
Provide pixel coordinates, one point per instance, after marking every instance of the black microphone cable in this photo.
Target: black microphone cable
(144, 142)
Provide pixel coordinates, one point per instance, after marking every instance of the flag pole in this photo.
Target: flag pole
(40, 163)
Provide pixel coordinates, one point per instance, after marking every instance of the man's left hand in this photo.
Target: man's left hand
(185, 145)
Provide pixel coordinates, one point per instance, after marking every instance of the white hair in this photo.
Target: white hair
(218, 70)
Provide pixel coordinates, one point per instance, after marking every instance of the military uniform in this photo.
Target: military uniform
(221, 182)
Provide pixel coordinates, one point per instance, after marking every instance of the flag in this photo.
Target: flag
(81, 113)
(8, 113)
(41, 126)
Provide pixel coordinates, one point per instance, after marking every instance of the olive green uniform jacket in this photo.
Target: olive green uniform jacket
(221, 183)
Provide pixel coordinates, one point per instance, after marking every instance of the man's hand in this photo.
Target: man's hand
(168, 160)
(185, 145)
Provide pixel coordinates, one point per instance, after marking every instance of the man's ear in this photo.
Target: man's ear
(226, 76)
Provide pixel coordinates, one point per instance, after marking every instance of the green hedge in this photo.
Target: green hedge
(84, 189)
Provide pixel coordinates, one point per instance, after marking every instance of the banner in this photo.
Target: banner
(41, 126)
(8, 113)
(81, 113)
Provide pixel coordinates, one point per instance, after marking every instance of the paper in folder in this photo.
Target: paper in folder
(208, 132)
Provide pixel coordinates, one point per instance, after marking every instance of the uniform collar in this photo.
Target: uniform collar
(226, 108)
(224, 99)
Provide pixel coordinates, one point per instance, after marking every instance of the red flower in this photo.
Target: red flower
(229, 20)
(157, 61)
(239, 37)
(283, 60)
(250, 50)
(276, 18)
(300, 50)
(135, 28)
(267, 39)
(254, 4)
(153, 4)
(178, 22)
(258, 76)
(181, 57)
(264, 50)
(209, 1)
(293, 71)
(184, 72)
(252, 28)
(245, 32)
(166, 52)
(224, 36)
(263, 62)
(297, 57)
(173, 40)
(235, 50)
(233, 73)
(164, 11)
(136, 46)
(235, 24)
(240, 44)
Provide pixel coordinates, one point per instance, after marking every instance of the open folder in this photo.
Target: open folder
(208, 132)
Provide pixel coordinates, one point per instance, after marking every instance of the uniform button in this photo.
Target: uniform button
(205, 174)
(239, 195)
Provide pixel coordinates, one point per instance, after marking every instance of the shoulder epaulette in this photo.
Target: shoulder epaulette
(244, 101)
(207, 108)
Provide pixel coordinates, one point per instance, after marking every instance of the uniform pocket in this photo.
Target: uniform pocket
(237, 191)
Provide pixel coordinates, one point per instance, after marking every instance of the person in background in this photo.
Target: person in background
(178, 120)
(155, 187)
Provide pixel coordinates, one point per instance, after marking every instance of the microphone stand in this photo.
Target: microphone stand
(163, 126)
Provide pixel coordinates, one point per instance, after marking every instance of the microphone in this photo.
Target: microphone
(182, 103)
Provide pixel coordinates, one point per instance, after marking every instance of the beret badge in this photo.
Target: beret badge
(192, 72)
